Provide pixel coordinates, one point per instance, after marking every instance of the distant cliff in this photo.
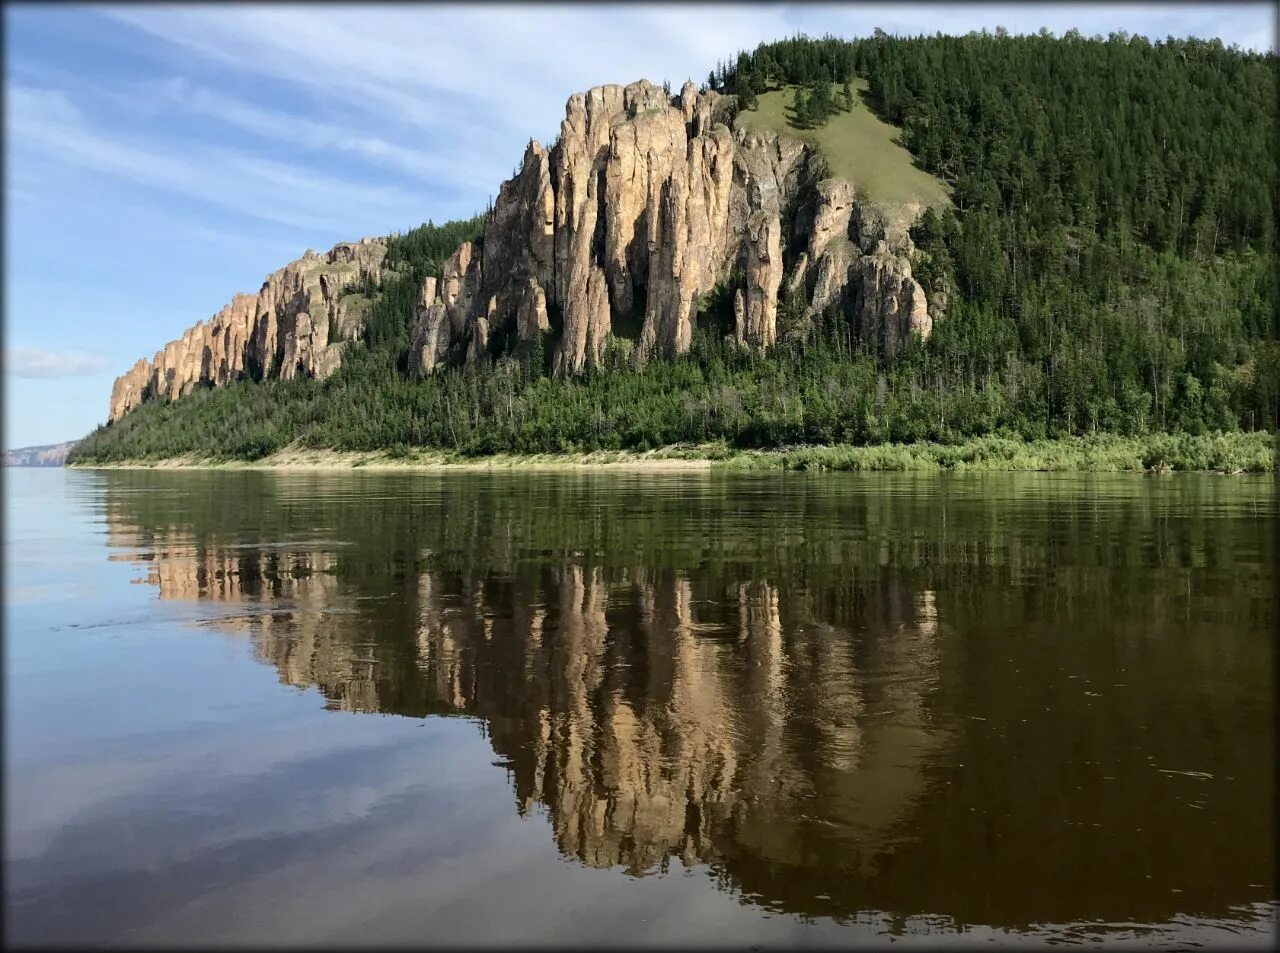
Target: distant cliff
(293, 325)
(644, 206)
(46, 455)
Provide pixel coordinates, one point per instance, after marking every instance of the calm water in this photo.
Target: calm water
(638, 708)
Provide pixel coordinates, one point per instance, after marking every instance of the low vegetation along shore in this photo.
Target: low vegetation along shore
(1219, 453)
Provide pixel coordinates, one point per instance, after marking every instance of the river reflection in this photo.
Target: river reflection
(1006, 701)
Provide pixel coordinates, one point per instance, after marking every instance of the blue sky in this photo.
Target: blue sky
(160, 159)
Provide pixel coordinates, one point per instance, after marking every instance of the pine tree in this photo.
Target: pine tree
(803, 117)
(821, 105)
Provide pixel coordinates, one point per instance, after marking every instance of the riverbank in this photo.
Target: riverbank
(1161, 453)
(295, 458)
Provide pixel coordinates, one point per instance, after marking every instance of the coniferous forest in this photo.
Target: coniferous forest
(1109, 263)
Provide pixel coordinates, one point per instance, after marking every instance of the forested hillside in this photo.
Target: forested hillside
(1109, 264)
(1113, 241)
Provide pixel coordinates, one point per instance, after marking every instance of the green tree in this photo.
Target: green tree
(802, 115)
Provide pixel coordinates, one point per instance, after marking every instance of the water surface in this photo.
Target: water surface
(638, 708)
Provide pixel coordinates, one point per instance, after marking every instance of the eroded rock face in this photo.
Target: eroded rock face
(532, 319)
(759, 316)
(130, 389)
(282, 331)
(859, 261)
(644, 205)
(890, 304)
(432, 330)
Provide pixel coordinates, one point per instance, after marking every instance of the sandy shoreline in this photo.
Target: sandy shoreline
(338, 460)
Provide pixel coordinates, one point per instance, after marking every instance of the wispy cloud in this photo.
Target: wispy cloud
(453, 91)
(418, 161)
(466, 85)
(35, 362)
(47, 123)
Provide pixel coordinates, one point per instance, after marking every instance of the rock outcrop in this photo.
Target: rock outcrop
(644, 206)
(859, 261)
(282, 331)
(45, 455)
(889, 303)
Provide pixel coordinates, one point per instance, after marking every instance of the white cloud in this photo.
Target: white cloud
(419, 162)
(35, 362)
(456, 88)
(48, 124)
(453, 92)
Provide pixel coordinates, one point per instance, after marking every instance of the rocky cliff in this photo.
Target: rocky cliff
(644, 206)
(294, 325)
(45, 455)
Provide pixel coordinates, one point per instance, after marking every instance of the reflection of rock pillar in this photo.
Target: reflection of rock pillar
(541, 746)
(583, 629)
(437, 648)
(533, 645)
(701, 714)
(927, 609)
(760, 631)
(630, 757)
(914, 648)
(837, 710)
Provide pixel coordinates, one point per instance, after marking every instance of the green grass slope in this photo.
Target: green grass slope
(859, 147)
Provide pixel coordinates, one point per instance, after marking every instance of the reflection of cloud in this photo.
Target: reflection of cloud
(60, 797)
(36, 362)
(33, 593)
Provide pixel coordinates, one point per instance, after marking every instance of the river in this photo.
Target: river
(629, 708)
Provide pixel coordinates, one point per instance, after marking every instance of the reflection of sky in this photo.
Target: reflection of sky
(162, 784)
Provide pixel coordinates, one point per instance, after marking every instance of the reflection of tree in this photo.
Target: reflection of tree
(783, 692)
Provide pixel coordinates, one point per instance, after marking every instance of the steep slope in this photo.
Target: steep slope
(860, 147)
(294, 325)
(45, 455)
(644, 205)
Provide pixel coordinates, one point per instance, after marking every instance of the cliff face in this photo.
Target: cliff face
(282, 331)
(644, 205)
(45, 455)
